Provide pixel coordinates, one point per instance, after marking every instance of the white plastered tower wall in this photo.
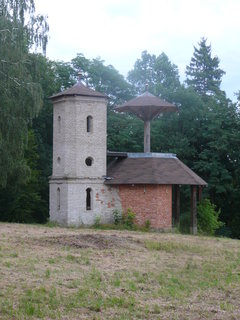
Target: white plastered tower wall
(74, 141)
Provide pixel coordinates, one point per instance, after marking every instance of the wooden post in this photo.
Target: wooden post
(193, 227)
(147, 138)
(177, 205)
(200, 193)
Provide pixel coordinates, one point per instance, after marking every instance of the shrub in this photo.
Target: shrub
(128, 218)
(208, 221)
(147, 224)
(117, 216)
(124, 220)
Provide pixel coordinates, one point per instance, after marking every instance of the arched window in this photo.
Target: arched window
(59, 124)
(88, 199)
(89, 124)
(58, 199)
(89, 161)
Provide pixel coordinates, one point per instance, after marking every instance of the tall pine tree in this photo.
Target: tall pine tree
(203, 72)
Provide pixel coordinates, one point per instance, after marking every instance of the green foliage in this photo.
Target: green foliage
(203, 73)
(147, 224)
(51, 224)
(20, 95)
(125, 132)
(97, 222)
(117, 216)
(128, 218)
(208, 218)
(23, 202)
(124, 219)
(103, 78)
(158, 72)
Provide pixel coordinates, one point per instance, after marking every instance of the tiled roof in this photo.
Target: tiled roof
(79, 89)
(151, 170)
(146, 106)
(147, 99)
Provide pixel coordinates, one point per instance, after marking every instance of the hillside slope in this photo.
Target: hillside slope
(58, 273)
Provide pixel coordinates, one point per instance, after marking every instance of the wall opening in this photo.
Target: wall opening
(89, 161)
(59, 124)
(58, 199)
(89, 124)
(88, 199)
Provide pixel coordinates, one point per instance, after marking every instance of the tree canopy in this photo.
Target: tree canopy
(20, 96)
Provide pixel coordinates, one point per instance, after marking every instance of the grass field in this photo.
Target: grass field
(58, 273)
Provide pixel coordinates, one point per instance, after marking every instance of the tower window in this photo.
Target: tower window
(88, 199)
(58, 199)
(59, 124)
(89, 161)
(89, 124)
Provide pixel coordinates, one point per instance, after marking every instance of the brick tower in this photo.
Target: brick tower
(79, 156)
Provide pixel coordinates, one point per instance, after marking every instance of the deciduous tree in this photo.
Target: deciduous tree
(20, 97)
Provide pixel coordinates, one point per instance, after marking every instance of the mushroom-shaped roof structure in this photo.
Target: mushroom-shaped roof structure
(146, 106)
(79, 89)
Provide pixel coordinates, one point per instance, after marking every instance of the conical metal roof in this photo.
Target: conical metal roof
(79, 89)
(146, 106)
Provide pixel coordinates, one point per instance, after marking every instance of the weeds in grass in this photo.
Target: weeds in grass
(52, 261)
(13, 255)
(97, 222)
(123, 221)
(71, 258)
(51, 224)
(47, 273)
(171, 246)
(7, 264)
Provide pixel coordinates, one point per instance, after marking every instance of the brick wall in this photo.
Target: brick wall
(148, 202)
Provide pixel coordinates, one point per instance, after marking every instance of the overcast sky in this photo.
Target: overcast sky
(119, 30)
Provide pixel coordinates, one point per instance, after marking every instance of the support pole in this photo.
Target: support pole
(200, 193)
(147, 141)
(193, 227)
(177, 205)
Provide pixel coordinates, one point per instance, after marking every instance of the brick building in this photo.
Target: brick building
(83, 188)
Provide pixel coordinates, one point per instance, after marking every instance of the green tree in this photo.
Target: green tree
(158, 72)
(20, 96)
(103, 78)
(23, 202)
(203, 72)
(217, 152)
(208, 218)
(143, 73)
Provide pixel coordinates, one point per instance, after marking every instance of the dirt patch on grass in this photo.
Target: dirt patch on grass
(93, 241)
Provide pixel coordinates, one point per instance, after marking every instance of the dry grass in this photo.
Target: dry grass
(57, 273)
